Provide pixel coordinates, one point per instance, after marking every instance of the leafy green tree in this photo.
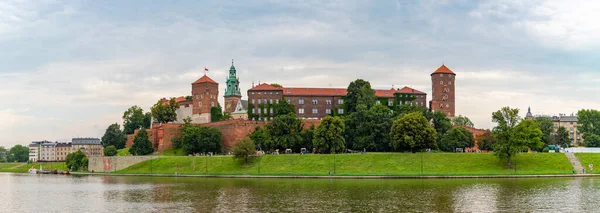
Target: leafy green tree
(512, 136)
(440, 122)
(110, 151)
(412, 132)
(199, 139)
(276, 85)
(188, 98)
(462, 121)
(244, 149)
(260, 136)
(359, 92)
(486, 141)
(76, 161)
(561, 137)
(589, 121)
(114, 137)
(457, 137)
(216, 113)
(369, 128)
(547, 126)
(141, 144)
(329, 136)
(3, 152)
(404, 109)
(134, 118)
(285, 131)
(283, 108)
(147, 120)
(307, 137)
(165, 112)
(18, 153)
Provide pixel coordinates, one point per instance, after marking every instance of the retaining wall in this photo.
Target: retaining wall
(115, 163)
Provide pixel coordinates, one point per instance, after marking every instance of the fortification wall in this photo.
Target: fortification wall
(115, 163)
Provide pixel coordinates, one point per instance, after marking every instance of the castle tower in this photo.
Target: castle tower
(205, 93)
(232, 91)
(529, 116)
(442, 89)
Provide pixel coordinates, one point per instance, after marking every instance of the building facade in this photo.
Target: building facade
(205, 93)
(62, 150)
(317, 103)
(35, 150)
(569, 122)
(442, 91)
(91, 147)
(48, 151)
(232, 91)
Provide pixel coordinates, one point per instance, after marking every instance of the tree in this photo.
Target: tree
(359, 93)
(329, 136)
(260, 136)
(110, 151)
(547, 126)
(369, 129)
(198, 139)
(462, 121)
(114, 137)
(244, 149)
(76, 161)
(561, 137)
(512, 136)
(165, 111)
(284, 131)
(283, 108)
(134, 118)
(3, 153)
(141, 144)
(412, 132)
(457, 137)
(276, 85)
(440, 122)
(216, 113)
(485, 141)
(307, 137)
(18, 153)
(589, 121)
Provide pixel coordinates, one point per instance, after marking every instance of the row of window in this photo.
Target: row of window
(300, 101)
(201, 96)
(316, 111)
(265, 101)
(270, 93)
(212, 103)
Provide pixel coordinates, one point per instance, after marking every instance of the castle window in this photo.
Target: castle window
(252, 93)
(301, 101)
(258, 111)
(441, 82)
(271, 110)
(271, 101)
(315, 101)
(390, 103)
(328, 101)
(449, 82)
(378, 102)
(200, 103)
(315, 111)
(276, 101)
(289, 101)
(259, 93)
(328, 111)
(340, 111)
(340, 101)
(212, 104)
(202, 96)
(265, 100)
(276, 93)
(252, 101)
(270, 93)
(301, 111)
(258, 101)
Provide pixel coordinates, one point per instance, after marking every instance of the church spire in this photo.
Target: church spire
(233, 83)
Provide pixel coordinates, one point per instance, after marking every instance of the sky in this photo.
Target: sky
(71, 68)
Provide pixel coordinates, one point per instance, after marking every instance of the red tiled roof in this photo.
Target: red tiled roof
(205, 79)
(179, 99)
(265, 86)
(443, 69)
(382, 93)
(315, 91)
(408, 90)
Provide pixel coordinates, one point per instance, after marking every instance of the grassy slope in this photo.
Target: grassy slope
(26, 167)
(587, 159)
(123, 152)
(8, 165)
(357, 164)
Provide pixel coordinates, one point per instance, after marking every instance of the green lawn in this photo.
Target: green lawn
(25, 167)
(123, 152)
(173, 152)
(357, 164)
(8, 165)
(589, 158)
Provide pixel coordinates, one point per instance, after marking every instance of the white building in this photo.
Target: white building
(35, 150)
(48, 151)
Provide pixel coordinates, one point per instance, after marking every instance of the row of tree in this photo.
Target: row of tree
(17, 153)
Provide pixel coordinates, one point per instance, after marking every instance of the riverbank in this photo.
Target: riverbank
(24, 167)
(357, 165)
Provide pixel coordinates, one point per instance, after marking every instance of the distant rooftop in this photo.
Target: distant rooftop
(86, 141)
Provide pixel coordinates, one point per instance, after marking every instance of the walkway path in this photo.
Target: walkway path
(575, 162)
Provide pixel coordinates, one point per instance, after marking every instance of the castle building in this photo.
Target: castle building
(316, 103)
(232, 95)
(442, 89)
(205, 93)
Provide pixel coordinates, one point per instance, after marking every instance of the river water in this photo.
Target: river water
(56, 193)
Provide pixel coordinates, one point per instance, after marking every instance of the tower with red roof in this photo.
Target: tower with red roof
(442, 90)
(205, 93)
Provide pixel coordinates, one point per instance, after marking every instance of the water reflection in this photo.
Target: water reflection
(34, 193)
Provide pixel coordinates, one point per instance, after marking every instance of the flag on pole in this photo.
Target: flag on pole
(205, 69)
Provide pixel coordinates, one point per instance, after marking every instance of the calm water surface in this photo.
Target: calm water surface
(54, 193)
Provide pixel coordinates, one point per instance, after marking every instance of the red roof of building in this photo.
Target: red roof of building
(205, 79)
(265, 86)
(443, 69)
(315, 91)
(385, 93)
(408, 90)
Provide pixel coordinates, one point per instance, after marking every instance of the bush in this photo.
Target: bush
(110, 151)
(244, 149)
(77, 161)
(141, 144)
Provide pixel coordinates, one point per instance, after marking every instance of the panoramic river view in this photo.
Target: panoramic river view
(55, 193)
